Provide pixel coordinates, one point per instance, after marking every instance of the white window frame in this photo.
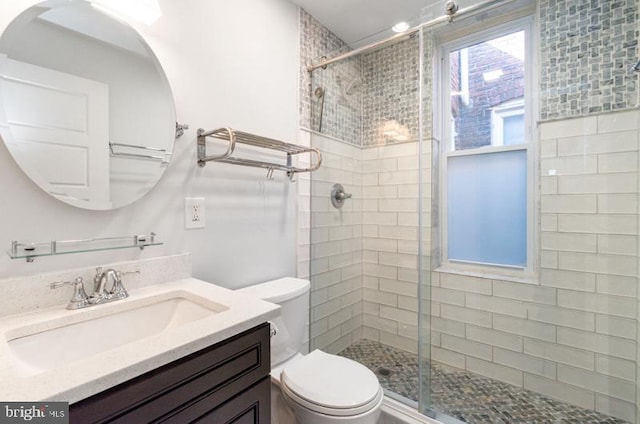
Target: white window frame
(464, 77)
(443, 131)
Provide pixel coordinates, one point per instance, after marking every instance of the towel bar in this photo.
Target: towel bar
(233, 137)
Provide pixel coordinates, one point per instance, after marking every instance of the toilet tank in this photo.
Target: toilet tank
(292, 294)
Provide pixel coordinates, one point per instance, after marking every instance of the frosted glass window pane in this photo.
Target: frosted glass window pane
(487, 208)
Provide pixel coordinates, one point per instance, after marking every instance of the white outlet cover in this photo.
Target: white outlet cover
(194, 212)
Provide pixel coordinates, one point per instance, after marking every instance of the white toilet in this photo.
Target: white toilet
(319, 388)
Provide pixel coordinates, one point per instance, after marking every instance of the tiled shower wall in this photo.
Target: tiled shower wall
(586, 50)
(391, 87)
(330, 247)
(572, 333)
(324, 104)
(384, 204)
(386, 89)
(390, 244)
(362, 259)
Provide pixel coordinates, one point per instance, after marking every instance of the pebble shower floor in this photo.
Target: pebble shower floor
(468, 397)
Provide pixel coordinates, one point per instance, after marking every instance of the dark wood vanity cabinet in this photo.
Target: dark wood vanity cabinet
(224, 383)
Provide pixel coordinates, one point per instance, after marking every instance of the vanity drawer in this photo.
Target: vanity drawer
(216, 373)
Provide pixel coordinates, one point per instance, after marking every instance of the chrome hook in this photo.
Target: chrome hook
(180, 128)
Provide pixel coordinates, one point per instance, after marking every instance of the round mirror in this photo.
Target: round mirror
(85, 107)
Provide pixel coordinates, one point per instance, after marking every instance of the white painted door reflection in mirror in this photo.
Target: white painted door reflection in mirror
(60, 124)
(73, 80)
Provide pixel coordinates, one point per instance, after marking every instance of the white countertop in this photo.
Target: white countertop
(82, 378)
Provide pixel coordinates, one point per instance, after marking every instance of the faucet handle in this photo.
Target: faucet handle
(77, 282)
(118, 291)
(121, 273)
(79, 298)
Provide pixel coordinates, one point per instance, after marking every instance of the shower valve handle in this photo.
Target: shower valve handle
(338, 196)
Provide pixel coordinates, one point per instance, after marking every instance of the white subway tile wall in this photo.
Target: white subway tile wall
(391, 251)
(573, 334)
(364, 256)
(333, 252)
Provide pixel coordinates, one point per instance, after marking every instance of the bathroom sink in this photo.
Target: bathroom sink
(59, 354)
(39, 348)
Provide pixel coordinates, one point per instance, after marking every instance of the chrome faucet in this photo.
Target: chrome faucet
(100, 282)
(100, 293)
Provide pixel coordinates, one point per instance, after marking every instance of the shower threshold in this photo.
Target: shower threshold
(466, 396)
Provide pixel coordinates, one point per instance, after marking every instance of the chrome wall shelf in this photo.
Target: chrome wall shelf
(233, 137)
(29, 251)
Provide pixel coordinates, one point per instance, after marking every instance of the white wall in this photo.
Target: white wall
(229, 64)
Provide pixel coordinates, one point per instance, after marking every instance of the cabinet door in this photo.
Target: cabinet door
(216, 373)
(253, 406)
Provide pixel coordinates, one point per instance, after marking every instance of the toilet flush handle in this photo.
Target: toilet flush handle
(273, 329)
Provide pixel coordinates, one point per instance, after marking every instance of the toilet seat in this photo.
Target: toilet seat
(331, 385)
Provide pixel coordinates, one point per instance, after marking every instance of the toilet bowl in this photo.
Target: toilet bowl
(316, 388)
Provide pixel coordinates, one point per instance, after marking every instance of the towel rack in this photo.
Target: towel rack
(232, 137)
(162, 157)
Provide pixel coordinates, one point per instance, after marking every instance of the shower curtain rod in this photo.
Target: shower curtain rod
(410, 32)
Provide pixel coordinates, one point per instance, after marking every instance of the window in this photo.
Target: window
(487, 158)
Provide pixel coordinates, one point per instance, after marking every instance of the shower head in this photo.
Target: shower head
(353, 87)
(349, 87)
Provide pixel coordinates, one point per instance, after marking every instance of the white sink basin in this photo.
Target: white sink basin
(35, 349)
(57, 354)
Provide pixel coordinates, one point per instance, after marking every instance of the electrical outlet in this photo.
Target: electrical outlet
(194, 212)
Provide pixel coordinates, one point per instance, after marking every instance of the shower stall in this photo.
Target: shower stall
(481, 256)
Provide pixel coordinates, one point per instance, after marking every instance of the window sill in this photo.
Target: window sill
(533, 280)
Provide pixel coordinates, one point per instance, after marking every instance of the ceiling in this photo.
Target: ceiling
(358, 22)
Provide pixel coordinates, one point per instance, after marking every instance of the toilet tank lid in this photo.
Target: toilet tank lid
(277, 291)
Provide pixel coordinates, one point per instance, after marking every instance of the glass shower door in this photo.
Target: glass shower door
(428, 154)
(364, 256)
